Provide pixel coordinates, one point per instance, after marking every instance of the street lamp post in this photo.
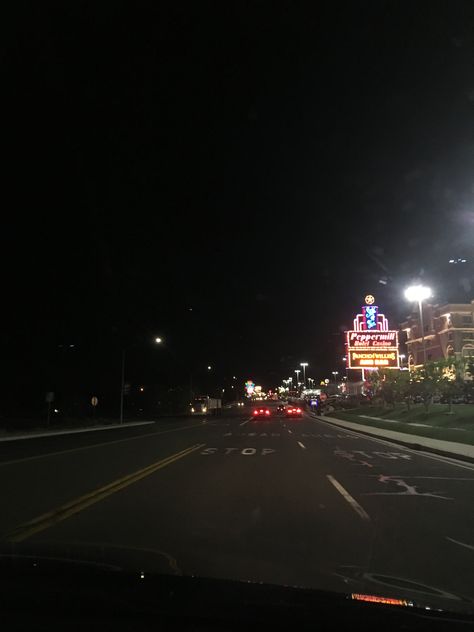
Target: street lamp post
(123, 386)
(417, 294)
(124, 352)
(335, 373)
(297, 371)
(402, 357)
(304, 365)
(344, 359)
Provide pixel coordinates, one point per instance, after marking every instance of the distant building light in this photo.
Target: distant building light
(451, 261)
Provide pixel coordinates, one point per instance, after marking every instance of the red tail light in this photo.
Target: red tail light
(267, 412)
(255, 412)
(298, 410)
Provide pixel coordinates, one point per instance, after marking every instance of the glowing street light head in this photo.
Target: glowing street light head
(416, 293)
(158, 340)
(303, 364)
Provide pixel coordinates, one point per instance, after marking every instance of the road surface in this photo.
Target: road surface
(295, 502)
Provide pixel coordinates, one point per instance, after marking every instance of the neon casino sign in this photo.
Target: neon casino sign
(250, 387)
(371, 344)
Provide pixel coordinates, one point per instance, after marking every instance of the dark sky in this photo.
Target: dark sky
(232, 176)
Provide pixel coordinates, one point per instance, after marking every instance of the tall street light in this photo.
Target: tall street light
(297, 371)
(417, 294)
(124, 353)
(304, 365)
(335, 373)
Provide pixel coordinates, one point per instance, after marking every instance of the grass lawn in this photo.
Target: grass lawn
(436, 423)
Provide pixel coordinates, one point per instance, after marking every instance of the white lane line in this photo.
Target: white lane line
(467, 546)
(435, 457)
(352, 501)
(246, 421)
(301, 445)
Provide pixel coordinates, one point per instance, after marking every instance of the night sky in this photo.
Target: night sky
(233, 177)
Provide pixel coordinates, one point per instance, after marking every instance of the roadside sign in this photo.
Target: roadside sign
(94, 401)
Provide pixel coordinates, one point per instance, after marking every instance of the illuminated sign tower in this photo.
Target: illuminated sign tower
(371, 344)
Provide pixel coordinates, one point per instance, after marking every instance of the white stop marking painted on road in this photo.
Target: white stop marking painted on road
(393, 455)
(209, 451)
(244, 451)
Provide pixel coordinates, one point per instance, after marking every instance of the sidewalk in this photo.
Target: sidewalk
(462, 451)
(51, 433)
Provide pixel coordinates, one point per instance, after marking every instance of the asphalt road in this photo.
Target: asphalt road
(294, 502)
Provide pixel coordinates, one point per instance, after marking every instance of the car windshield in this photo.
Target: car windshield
(238, 293)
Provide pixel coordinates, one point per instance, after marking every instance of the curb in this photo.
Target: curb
(55, 433)
(418, 447)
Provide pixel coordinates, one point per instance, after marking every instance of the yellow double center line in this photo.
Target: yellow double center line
(40, 523)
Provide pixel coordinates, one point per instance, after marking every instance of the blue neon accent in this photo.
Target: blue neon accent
(371, 316)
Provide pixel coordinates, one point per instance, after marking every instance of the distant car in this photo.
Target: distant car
(293, 411)
(260, 412)
(281, 409)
